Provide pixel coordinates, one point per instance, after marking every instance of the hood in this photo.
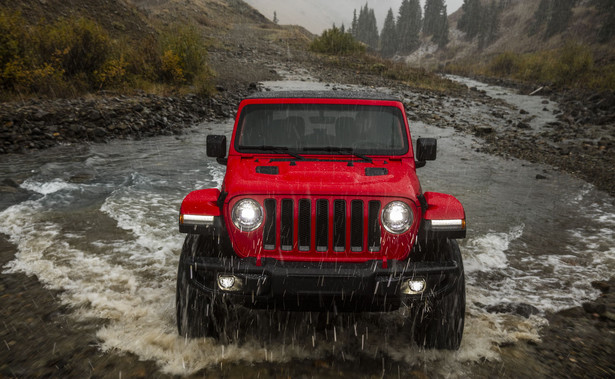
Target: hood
(321, 176)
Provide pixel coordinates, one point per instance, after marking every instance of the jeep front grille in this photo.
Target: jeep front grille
(322, 225)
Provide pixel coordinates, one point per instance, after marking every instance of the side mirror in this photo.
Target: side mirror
(425, 150)
(216, 147)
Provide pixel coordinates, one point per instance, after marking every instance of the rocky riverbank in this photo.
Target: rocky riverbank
(38, 124)
(581, 141)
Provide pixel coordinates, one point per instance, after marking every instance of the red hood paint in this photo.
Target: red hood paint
(330, 177)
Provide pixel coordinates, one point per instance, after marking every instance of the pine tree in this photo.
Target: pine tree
(409, 26)
(359, 33)
(433, 17)
(373, 35)
(367, 29)
(470, 22)
(441, 34)
(353, 26)
(275, 17)
(388, 37)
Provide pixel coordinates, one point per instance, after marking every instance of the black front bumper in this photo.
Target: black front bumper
(314, 286)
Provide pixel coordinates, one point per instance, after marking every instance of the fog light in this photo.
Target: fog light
(413, 286)
(229, 282)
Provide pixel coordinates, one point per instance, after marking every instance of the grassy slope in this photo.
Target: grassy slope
(515, 22)
(238, 37)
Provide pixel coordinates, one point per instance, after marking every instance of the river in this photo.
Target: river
(99, 223)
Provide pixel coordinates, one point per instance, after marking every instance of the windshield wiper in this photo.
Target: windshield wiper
(275, 150)
(340, 150)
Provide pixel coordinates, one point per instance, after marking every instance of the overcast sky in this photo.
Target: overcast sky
(318, 15)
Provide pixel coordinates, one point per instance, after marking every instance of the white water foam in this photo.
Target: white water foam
(46, 188)
(488, 252)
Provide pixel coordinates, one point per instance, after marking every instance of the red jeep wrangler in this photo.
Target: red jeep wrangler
(321, 209)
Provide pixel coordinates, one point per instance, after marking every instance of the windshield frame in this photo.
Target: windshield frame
(394, 107)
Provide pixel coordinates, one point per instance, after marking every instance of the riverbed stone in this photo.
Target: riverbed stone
(592, 307)
(520, 309)
(38, 123)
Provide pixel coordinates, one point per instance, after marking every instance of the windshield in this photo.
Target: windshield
(321, 128)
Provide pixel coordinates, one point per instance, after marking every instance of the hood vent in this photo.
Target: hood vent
(269, 170)
(376, 171)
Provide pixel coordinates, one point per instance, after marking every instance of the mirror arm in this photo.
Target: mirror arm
(419, 164)
(222, 161)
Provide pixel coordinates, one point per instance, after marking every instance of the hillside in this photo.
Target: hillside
(133, 17)
(239, 39)
(518, 33)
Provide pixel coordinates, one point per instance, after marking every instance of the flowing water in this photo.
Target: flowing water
(99, 223)
(536, 110)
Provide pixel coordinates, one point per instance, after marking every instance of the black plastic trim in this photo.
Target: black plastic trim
(275, 281)
(376, 171)
(268, 170)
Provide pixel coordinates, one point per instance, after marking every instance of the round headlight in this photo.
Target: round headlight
(247, 215)
(397, 217)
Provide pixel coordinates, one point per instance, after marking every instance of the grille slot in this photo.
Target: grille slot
(373, 226)
(286, 225)
(339, 225)
(356, 222)
(322, 225)
(305, 221)
(269, 228)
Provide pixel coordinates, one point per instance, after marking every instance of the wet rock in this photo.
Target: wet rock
(498, 114)
(81, 177)
(603, 287)
(576, 312)
(8, 189)
(591, 307)
(523, 125)
(100, 132)
(483, 130)
(520, 309)
(41, 115)
(38, 124)
(8, 182)
(540, 177)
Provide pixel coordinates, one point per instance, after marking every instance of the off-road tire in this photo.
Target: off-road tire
(440, 325)
(199, 314)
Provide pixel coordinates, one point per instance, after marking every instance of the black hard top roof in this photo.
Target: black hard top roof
(355, 95)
